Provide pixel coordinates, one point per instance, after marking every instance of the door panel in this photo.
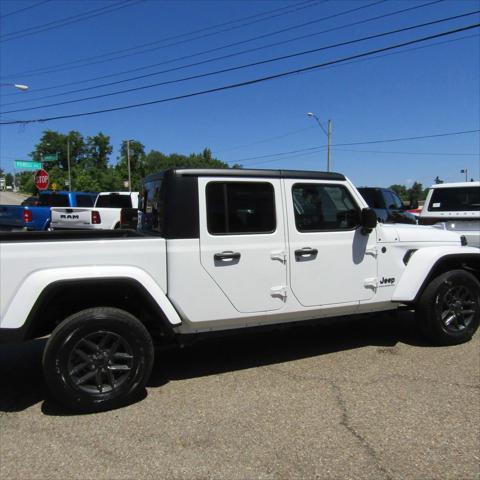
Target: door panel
(242, 241)
(331, 261)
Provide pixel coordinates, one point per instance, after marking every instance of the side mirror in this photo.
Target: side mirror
(368, 220)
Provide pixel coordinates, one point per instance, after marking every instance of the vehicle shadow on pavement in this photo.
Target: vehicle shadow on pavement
(22, 384)
(248, 350)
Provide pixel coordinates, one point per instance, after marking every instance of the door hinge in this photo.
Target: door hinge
(279, 255)
(279, 291)
(372, 251)
(371, 283)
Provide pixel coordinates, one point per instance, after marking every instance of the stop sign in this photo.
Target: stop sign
(41, 180)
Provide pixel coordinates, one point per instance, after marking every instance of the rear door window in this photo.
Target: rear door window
(235, 208)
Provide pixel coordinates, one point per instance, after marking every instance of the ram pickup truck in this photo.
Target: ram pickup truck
(222, 250)
(387, 205)
(36, 215)
(454, 207)
(104, 215)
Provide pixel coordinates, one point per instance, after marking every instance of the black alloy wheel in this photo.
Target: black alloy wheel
(449, 308)
(98, 359)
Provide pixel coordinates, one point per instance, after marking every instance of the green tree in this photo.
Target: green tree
(415, 193)
(156, 161)
(8, 179)
(98, 149)
(137, 162)
(54, 142)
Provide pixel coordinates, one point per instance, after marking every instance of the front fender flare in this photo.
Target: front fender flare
(421, 265)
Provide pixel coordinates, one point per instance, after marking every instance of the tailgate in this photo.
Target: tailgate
(64, 217)
(11, 216)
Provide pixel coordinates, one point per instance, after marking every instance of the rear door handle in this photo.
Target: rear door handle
(306, 252)
(227, 256)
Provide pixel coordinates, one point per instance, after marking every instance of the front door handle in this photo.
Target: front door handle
(306, 252)
(227, 256)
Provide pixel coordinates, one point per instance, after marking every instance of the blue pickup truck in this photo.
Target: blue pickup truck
(35, 215)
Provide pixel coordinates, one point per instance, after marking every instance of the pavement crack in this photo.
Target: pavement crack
(345, 422)
(345, 418)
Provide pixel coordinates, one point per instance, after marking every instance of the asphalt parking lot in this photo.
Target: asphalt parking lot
(354, 400)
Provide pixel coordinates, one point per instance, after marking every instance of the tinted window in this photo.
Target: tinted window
(86, 200)
(114, 201)
(152, 209)
(54, 200)
(240, 208)
(373, 197)
(393, 202)
(324, 207)
(460, 199)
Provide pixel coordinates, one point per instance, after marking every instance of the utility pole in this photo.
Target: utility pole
(128, 165)
(465, 171)
(329, 164)
(328, 133)
(68, 165)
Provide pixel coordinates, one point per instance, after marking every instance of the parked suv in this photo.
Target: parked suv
(455, 207)
(387, 205)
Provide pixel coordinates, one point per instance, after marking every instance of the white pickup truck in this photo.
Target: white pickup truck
(104, 215)
(454, 207)
(222, 250)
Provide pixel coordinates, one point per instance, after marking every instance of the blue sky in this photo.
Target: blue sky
(410, 92)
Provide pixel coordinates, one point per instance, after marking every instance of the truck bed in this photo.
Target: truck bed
(68, 235)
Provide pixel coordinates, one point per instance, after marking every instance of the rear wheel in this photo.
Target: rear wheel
(98, 359)
(449, 308)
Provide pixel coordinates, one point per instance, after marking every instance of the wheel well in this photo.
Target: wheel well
(470, 263)
(64, 298)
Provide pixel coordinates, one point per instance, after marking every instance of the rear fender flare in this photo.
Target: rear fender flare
(31, 289)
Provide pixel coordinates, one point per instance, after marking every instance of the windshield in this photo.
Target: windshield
(458, 199)
(114, 201)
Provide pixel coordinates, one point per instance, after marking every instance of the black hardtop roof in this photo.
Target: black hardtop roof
(243, 172)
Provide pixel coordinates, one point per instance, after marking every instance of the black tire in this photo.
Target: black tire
(98, 359)
(449, 308)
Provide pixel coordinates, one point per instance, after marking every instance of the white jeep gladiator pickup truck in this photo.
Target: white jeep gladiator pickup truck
(221, 250)
(104, 215)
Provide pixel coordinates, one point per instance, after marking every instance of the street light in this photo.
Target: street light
(465, 171)
(19, 86)
(328, 133)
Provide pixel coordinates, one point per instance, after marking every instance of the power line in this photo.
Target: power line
(239, 67)
(248, 82)
(436, 154)
(389, 140)
(50, 69)
(264, 140)
(214, 59)
(376, 57)
(208, 60)
(66, 21)
(23, 9)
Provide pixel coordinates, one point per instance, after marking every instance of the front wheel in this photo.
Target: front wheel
(98, 359)
(449, 308)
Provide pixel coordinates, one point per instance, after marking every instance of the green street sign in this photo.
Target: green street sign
(27, 165)
(51, 157)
